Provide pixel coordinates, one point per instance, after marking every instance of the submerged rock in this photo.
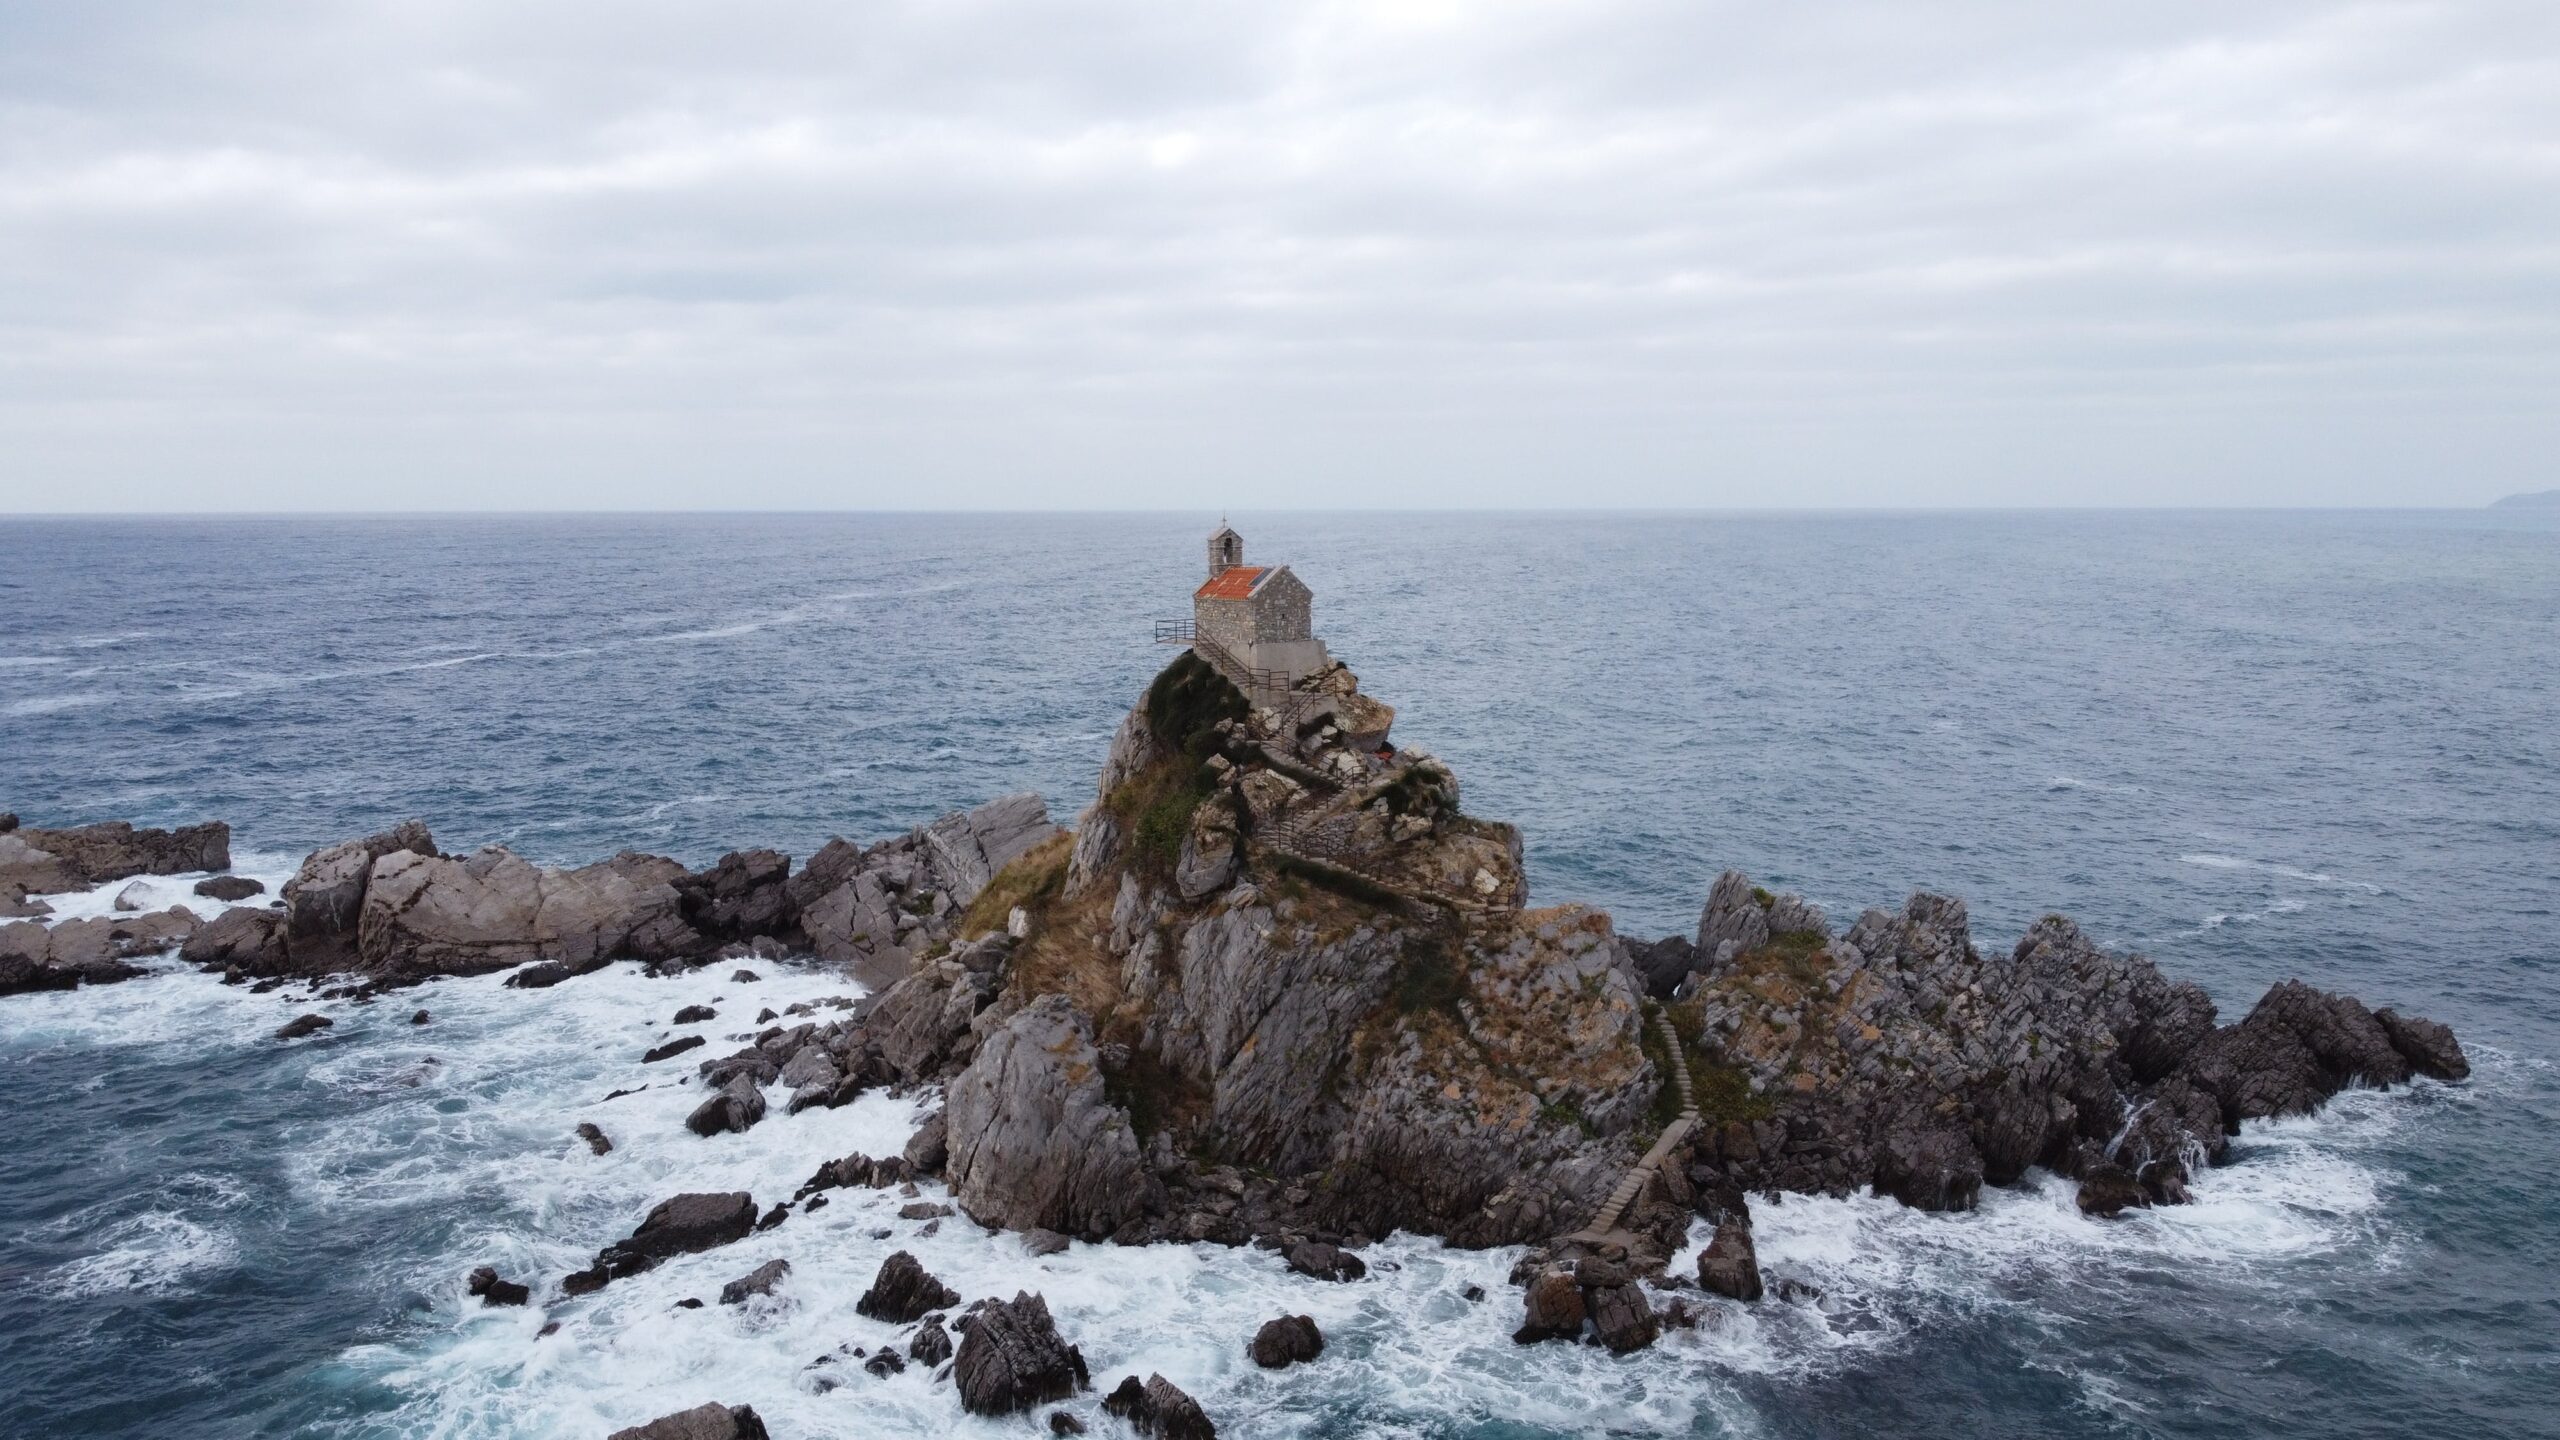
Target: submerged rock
(759, 1281)
(484, 1282)
(301, 1025)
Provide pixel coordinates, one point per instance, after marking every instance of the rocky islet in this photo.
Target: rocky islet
(1275, 940)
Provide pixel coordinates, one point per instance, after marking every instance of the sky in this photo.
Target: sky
(643, 254)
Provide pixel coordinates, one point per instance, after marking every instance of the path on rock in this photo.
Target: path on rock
(1604, 1221)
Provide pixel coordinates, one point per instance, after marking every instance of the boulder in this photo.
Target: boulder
(324, 900)
(759, 1281)
(904, 1291)
(928, 1150)
(484, 1282)
(250, 941)
(1012, 1359)
(1287, 1341)
(703, 1422)
(1159, 1408)
(230, 888)
(671, 1049)
(1323, 1260)
(2107, 1191)
(591, 1133)
(1730, 1265)
(301, 1025)
(1621, 1317)
(932, 1344)
(41, 860)
(425, 915)
(684, 1225)
(736, 1109)
(541, 976)
(1033, 1140)
(131, 899)
(694, 1015)
(1554, 1308)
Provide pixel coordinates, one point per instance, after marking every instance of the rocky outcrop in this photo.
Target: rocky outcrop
(251, 942)
(904, 1291)
(703, 1422)
(1289, 1340)
(425, 915)
(97, 951)
(1033, 1141)
(1900, 1057)
(1730, 1265)
(1160, 1408)
(34, 860)
(683, 1225)
(1592, 1299)
(1011, 1358)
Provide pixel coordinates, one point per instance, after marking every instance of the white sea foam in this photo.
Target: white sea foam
(155, 1254)
(54, 704)
(17, 662)
(2212, 861)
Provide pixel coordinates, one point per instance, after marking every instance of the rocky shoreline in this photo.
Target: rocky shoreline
(1275, 987)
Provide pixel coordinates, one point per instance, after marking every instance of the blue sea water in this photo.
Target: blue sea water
(2252, 745)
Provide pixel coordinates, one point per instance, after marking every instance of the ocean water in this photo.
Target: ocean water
(2252, 745)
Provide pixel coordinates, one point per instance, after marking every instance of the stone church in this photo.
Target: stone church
(1260, 614)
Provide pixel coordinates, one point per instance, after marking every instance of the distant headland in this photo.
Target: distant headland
(2529, 500)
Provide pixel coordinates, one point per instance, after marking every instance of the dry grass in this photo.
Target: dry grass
(1030, 882)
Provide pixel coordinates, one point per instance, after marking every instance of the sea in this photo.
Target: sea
(2250, 745)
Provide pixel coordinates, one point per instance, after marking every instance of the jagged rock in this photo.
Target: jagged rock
(1210, 854)
(2429, 1047)
(1659, 968)
(703, 1422)
(428, 915)
(229, 888)
(759, 1281)
(1554, 1308)
(1062, 1423)
(1159, 1408)
(592, 1134)
(903, 1291)
(251, 941)
(694, 1015)
(2297, 1048)
(1287, 1341)
(671, 1049)
(1730, 1265)
(2107, 1191)
(540, 976)
(928, 1151)
(744, 895)
(684, 1225)
(35, 860)
(968, 849)
(885, 1363)
(1033, 1140)
(932, 1344)
(324, 901)
(1324, 1261)
(301, 1025)
(1012, 1359)
(1621, 1317)
(734, 1110)
(918, 1022)
(484, 1282)
(1930, 1170)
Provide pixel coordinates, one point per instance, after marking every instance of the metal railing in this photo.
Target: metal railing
(1245, 677)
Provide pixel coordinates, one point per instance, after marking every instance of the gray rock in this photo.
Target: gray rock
(759, 1281)
(703, 1422)
(1033, 1140)
(932, 1344)
(251, 941)
(301, 1025)
(684, 1225)
(928, 1151)
(735, 1110)
(904, 1291)
(36, 860)
(229, 888)
(324, 900)
(1287, 1341)
(1159, 1408)
(427, 915)
(1011, 1359)
(1730, 1265)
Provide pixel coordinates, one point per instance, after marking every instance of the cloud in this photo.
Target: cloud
(1418, 253)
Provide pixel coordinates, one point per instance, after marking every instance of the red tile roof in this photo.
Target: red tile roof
(1235, 584)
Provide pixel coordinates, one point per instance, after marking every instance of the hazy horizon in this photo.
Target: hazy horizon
(1405, 255)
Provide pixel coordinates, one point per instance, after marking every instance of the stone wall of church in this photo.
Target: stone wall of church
(1228, 622)
(1283, 609)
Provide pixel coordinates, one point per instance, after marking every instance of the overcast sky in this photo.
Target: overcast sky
(765, 253)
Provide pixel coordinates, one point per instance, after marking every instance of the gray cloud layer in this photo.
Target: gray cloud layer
(1407, 252)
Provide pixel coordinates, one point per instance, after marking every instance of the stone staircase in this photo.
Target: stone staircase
(1302, 840)
(1604, 1222)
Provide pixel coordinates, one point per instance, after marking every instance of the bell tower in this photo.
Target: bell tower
(1226, 551)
